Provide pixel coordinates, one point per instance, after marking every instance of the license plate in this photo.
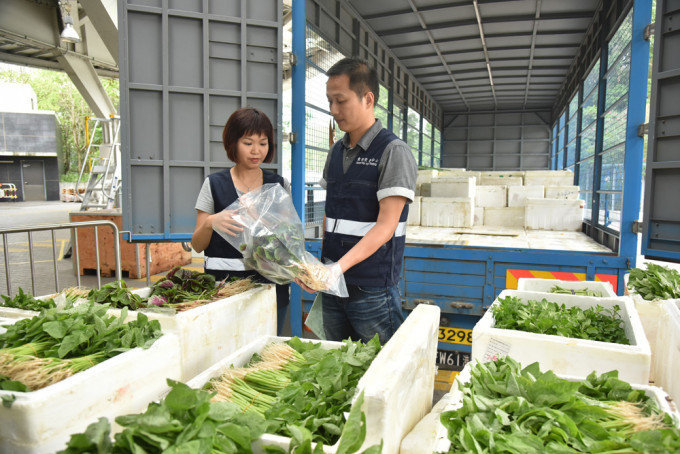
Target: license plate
(452, 360)
(455, 335)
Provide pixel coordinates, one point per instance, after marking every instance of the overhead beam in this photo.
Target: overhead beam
(103, 15)
(85, 78)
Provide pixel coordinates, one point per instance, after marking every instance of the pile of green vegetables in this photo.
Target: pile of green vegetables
(507, 409)
(54, 345)
(309, 408)
(545, 317)
(27, 302)
(656, 282)
(575, 291)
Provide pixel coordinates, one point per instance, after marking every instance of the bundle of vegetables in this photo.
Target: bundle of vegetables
(656, 282)
(299, 383)
(273, 242)
(575, 291)
(508, 409)
(27, 302)
(545, 317)
(118, 295)
(186, 421)
(54, 345)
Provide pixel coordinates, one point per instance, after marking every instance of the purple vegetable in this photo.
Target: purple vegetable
(157, 300)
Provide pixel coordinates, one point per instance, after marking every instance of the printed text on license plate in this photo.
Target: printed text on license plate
(455, 335)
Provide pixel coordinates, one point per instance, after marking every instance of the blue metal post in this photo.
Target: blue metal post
(299, 32)
(637, 101)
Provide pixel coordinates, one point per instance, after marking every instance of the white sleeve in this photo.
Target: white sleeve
(205, 201)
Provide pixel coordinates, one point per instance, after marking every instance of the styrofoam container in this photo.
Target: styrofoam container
(42, 421)
(566, 355)
(544, 286)
(11, 315)
(562, 192)
(667, 354)
(554, 214)
(478, 218)
(651, 316)
(491, 196)
(425, 189)
(447, 212)
(425, 176)
(505, 173)
(504, 217)
(430, 435)
(548, 178)
(210, 332)
(453, 187)
(518, 195)
(499, 181)
(398, 386)
(414, 211)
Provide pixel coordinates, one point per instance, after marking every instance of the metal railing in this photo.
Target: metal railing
(52, 228)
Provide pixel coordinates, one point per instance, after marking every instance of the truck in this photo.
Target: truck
(486, 85)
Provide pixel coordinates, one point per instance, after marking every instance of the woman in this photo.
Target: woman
(249, 142)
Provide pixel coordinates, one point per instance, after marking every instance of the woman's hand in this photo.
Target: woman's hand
(224, 222)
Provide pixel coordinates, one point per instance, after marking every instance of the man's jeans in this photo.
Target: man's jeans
(366, 312)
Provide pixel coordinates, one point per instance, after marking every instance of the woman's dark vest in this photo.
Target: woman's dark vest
(351, 211)
(224, 194)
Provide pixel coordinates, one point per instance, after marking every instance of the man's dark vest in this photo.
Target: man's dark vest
(224, 194)
(352, 209)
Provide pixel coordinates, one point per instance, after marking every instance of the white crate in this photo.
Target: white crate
(424, 190)
(414, 211)
(667, 364)
(554, 214)
(210, 332)
(505, 173)
(42, 421)
(561, 192)
(544, 286)
(425, 176)
(548, 178)
(511, 217)
(11, 315)
(518, 195)
(651, 315)
(478, 218)
(565, 355)
(453, 173)
(453, 187)
(500, 181)
(446, 212)
(430, 435)
(398, 386)
(491, 196)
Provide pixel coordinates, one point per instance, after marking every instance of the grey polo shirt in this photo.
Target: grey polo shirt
(397, 166)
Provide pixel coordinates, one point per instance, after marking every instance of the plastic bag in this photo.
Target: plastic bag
(273, 244)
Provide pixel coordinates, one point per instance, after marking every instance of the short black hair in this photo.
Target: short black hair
(362, 77)
(244, 122)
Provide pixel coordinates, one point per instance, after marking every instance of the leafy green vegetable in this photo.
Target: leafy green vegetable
(55, 344)
(575, 291)
(545, 317)
(656, 282)
(508, 409)
(27, 302)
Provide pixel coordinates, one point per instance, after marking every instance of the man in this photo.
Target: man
(370, 177)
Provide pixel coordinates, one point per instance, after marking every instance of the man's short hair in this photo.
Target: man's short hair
(362, 77)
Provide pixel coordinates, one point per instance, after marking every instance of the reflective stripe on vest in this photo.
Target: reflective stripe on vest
(222, 264)
(357, 228)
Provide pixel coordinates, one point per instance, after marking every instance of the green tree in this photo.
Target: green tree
(57, 93)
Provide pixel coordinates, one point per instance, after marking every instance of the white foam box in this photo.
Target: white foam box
(544, 286)
(424, 189)
(11, 315)
(504, 173)
(478, 216)
(500, 181)
(425, 176)
(565, 355)
(42, 421)
(414, 211)
(210, 332)
(667, 366)
(651, 315)
(504, 217)
(398, 386)
(447, 212)
(554, 214)
(561, 192)
(548, 178)
(518, 195)
(430, 435)
(453, 187)
(491, 196)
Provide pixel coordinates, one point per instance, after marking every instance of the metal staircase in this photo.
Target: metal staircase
(105, 176)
